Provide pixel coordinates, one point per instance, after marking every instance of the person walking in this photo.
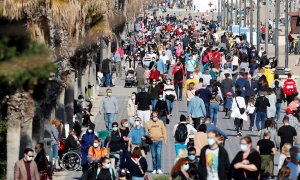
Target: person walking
(158, 134)
(154, 91)
(26, 167)
(169, 94)
(251, 111)
(162, 109)
(118, 62)
(214, 161)
(238, 112)
(214, 104)
(115, 144)
(107, 72)
(267, 151)
(131, 109)
(287, 133)
(139, 73)
(196, 109)
(54, 143)
(137, 165)
(181, 133)
(110, 108)
(143, 105)
(261, 105)
(87, 141)
(285, 153)
(136, 136)
(42, 162)
(246, 164)
(178, 73)
(289, 89)
(280, 97)
(271, 110)
(104, 171)
(200, 139)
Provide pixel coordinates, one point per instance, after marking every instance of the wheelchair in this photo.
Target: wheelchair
(71, 161)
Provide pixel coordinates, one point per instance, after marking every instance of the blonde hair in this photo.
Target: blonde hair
(182, 153)
(191, 86)
(55, 121)
(286, 149)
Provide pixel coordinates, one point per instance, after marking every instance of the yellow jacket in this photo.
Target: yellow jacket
(156, 130)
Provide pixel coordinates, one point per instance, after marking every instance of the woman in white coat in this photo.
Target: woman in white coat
(238, 104)
(271, 111)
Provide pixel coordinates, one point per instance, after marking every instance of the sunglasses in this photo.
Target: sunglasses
(192, 154)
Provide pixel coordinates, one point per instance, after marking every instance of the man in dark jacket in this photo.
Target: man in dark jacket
(261, 104)
(214, 160)
(243, 84)
(205, 94)
(107, 71)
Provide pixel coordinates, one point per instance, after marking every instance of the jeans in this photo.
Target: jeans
(252, 118)
(54, 155)
(107, 79)
(260, 118)
(118, 69)
(137, 178)
(109, 119)
(170, 105)
(144, 115)
(178, 89)
(278, 108)
(207, 109)
(179, 146)
(153, 102)
(156, 148)
(214, 108)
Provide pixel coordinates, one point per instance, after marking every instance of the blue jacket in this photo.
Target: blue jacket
(205, 95)
(87, 142)
(160, 66)
(196, 107)
(243, 83)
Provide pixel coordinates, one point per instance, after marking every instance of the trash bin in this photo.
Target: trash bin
(269, 73)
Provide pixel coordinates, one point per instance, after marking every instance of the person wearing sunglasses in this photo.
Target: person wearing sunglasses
(104, 171)
(136, 135)
(26, 168)
(180, 170)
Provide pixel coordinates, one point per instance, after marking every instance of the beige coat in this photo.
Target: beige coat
(200, 140)
(20, 171)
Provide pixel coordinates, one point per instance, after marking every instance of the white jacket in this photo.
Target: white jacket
(271, 111)
(235, 110)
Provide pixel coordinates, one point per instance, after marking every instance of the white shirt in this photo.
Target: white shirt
(206, 79)
(212, 162)
(191, 131)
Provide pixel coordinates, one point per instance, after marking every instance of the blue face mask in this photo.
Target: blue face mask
(192, 157)
(115, 128)
(186, 167)
(298, 156)
(243, 147)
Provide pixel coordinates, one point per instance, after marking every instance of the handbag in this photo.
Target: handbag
(170, 97)
(242, 110)
(146, 177)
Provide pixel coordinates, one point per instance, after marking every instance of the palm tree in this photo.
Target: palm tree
(71, 29)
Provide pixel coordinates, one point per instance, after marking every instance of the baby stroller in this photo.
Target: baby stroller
(130, 79)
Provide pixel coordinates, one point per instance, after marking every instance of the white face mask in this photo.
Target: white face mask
(95, 145)
(107, 166)
(90, 130)
(155, 118)
(29, 159)
(126, 125)
(137, 123)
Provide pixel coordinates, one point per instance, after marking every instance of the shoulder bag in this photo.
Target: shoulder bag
(242, 110)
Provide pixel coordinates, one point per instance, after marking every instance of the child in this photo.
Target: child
(251, 111)
(228, 104)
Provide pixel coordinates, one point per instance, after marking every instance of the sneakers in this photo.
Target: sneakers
(154, 172)
(239, 134)
(159, 171)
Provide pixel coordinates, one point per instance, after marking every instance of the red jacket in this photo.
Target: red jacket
(154, 75)
(178, 68)
(289, 87)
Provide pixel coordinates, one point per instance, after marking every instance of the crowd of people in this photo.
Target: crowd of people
(178, 58)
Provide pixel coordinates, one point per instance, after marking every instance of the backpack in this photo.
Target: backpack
(178, 76)
(181, 133)
(110, 171)
(277, 92)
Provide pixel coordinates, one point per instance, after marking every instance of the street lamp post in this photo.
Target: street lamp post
(286, 34)
(277, 11)
(251, 22)
(231, 11)
(267, 27)
(258, 25)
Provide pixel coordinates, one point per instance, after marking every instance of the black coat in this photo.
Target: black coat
(162, 108)
(223, 167)
(106, 66)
